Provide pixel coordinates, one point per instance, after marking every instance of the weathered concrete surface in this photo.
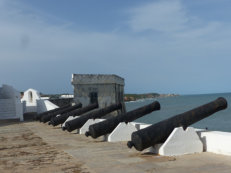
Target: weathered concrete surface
(90, 155)
(22, 151)
(106, 89)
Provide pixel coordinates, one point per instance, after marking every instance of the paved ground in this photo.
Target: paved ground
(37, 147)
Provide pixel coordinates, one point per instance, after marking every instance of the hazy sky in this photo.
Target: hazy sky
(164, 46)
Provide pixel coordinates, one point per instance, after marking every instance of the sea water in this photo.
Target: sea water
(171, 106)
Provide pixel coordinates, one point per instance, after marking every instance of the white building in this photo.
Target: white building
(29, 99)
(33, 102)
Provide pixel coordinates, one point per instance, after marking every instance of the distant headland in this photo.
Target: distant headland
(134, 97)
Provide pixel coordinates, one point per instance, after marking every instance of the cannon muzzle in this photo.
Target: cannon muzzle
(79, 122)
(47, 117)
(159, 132)
(107, 126)
(38, 116)
(62, 118)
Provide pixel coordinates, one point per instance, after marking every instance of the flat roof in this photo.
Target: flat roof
(96, 79)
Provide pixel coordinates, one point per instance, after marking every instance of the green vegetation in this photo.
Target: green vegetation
(127, 97)
(133, 97)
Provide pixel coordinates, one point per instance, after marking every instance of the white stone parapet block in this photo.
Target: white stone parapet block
(69, 119)
(142, 125)
(122, 132)
(180, 142)
(45, 105)
(85, 127)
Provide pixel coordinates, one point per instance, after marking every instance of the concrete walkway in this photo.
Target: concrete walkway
(90, 155)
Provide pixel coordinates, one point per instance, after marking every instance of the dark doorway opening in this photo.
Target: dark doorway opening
(93, 97)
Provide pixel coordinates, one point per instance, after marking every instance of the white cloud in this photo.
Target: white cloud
(169, 20)
(208, 29)
(163, 16)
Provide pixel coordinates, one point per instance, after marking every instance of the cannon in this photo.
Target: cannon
(47, 117)
(62, 118)
(79, 122)
(38, 116)
(107, 126)
(159, 132)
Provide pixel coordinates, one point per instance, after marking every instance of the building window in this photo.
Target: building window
(93, 97)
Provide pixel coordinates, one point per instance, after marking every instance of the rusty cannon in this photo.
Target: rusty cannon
(79, 122)
(47, 117)
(159, 132)
(62, 118)
(38, 116)
(107, 126)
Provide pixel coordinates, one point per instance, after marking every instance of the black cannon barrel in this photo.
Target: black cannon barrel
(62, 118)
(38, 116)
(107, 126)
(159, 132)
(46, 118)
(79, 122)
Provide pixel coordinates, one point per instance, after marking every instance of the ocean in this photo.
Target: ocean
(170, 106)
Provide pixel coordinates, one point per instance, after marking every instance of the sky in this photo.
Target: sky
(163, 46)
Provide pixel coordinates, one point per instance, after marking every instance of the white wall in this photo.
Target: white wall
(10, 104)
(215, 141)
(7, 108)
